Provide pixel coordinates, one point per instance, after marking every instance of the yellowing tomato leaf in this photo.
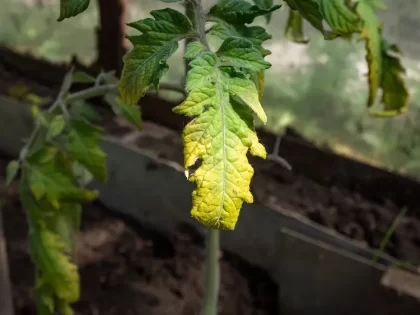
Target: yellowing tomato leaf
(48, 250)
(395, 96)
(146, 63)
(371, 33)
(219, 137)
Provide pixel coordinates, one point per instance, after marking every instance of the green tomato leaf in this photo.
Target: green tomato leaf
(371, 33)
(220, 136)
(130, 112)
(238, 12)
(294, 28)
(259, 78)
(194, 49)
(395, 96)
(146, 63)
(82, 111)
(83, 146)
(310, 11)
(241, 53)
(48, 251)
(265, 4)
(82, 77)
(70, 8)
(11, 171)
(56, 127)
(67, 225)
(255, 34)
(48, 177)
(340, 17)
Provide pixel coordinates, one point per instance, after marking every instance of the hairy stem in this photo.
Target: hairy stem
(212, 273)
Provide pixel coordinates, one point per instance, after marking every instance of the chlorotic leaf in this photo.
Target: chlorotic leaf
(219, 136)
(238, 12)
(146, 63)
(395, 96)
(265, 4)
(239, 52)
(339, 16)
(294, 28)
(70, 8)
(83, 146)
(371, 33)
(48, 251)
(11, 171)
(48, 178)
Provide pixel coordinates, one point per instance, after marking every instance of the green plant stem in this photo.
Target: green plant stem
(212, 273)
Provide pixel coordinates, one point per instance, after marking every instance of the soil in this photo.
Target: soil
(128, 269)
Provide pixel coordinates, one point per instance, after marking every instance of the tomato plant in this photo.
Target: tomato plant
(224, 87)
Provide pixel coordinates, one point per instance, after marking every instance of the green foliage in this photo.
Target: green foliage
(146, 63)
(339, 16)
(265, 4)
(239, 12)
(70, 8)
(60, 158)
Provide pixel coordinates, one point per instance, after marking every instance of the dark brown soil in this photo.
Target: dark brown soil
(128, 269)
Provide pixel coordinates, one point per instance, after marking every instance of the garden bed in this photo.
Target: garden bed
(128, 269)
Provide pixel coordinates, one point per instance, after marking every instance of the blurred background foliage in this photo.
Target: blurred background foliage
(319, 88)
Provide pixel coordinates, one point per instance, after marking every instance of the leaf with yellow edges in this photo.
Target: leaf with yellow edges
(395, 96)
(371, 33)
(222, 101)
